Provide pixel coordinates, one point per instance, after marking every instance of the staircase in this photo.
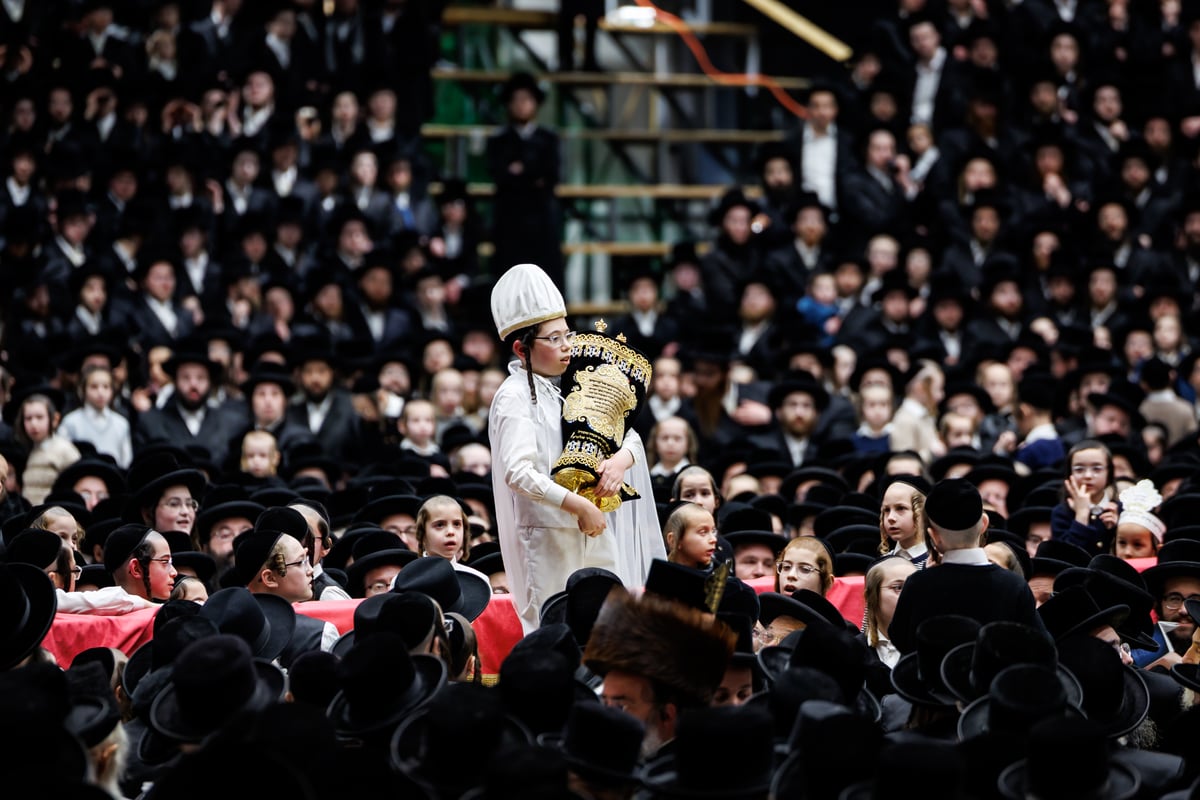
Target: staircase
(649, 143)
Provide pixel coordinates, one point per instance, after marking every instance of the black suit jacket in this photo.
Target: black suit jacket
(216, 431)
(340, 433)
(984, 593)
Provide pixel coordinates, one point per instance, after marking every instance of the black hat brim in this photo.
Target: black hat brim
(167, 720)
(43, 603)
(429, 675)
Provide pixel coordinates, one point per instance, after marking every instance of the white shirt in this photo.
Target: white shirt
(284, 181)
(18, 193)
(912, 553)
(254, 121)
(193, 419)
(281, 49)
(887, 652)
(925, 89)
(971, 556)
(105, 124)
(796, 448)
(819, 167)
(91, 322)
(645, 321)
(239, 195)
(381, 131)
(15, 9)
(76, 255)
(317, 413)
(196, 269)
(661, 409)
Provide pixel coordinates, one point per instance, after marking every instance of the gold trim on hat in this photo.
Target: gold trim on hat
(516, 326)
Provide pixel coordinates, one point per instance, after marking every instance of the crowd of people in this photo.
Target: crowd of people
(945, 348)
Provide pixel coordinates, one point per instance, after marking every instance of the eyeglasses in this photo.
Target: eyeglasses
(1097, 469)
(1175, 601)
(804, 569)
(164, 560)
(379, 586)
(304, 562)
(77, 572)
(559, 339)
(176, 503)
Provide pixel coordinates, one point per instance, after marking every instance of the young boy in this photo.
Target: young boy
(417, 424)
(547, 532)
(260, 456)
(875, 408)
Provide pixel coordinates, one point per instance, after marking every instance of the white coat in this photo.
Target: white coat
(541, 544)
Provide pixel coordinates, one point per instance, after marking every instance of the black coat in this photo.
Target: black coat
(984, 593)
(166, 424)
(339, 433)
(526, 222)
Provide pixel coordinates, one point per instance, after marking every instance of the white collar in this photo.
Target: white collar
(970, 556)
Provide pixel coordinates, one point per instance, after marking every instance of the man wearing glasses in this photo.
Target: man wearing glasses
(1173, 581)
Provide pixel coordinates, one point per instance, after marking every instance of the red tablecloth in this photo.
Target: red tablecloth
(497, 628)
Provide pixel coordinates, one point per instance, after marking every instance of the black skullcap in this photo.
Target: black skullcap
(122, 542)
(954, 505)
(254, 549)
(282, 519)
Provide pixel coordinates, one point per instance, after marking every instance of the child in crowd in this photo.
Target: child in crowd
(95, 421)
(1089, 511)
(875, 408)
(902, 520)
(58, 520)
(442, 529)
(418, 424)
(1139, 530)
(957, 430)
(666, 397)
(447, 389)
(671, 447)
(696, 485)
(881, 589)
(805, 563)
(690, 534)
(50, 452)
(819, 307)
(260, 455)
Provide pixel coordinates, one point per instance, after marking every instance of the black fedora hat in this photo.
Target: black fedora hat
(773, 541)
(1068, 757)
(373, 555)
(804, 605)
(269, 372)
(380, 684)
(148, 477)
(28, 602)
(455, 590)
(838, 652)
(363, 622)
(1074, 610)
(744, 737)
(21, 393)
(1114, 581)
(861, 539)
(917, 676)
(738, 516)
(601, 744)
(798, 381)
(213, 679)
(811, 473)
(968, 669)
(1114, 696)
(836, 517)
(380, 508)
(1019, 697)
(428, 746)
(92, 466)
(222, 502)
(1177, 558)
(266, 622)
